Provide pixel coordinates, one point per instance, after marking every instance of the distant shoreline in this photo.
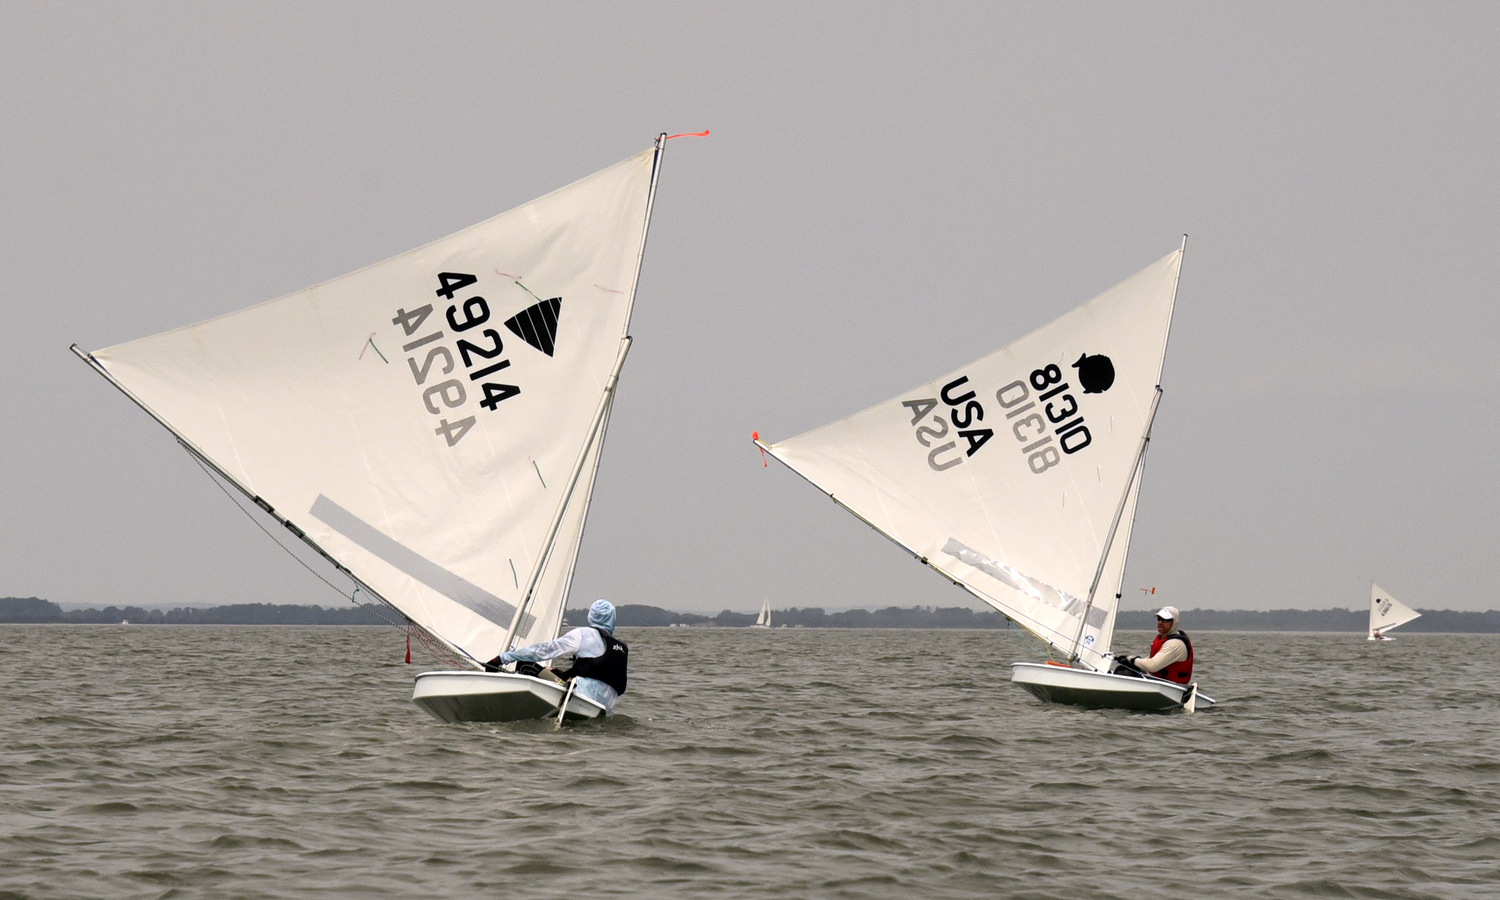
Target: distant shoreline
(32, 610)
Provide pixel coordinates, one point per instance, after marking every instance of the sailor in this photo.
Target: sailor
(599, 658)
(1171, 652)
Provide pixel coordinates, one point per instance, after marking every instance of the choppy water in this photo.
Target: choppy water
(289, 763)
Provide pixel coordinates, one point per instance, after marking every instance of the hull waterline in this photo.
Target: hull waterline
(496, 697)
(1098, 690)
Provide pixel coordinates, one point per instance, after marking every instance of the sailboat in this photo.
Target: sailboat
(432, 424)
(1016, 478)
(764, 619)
(1386, 612)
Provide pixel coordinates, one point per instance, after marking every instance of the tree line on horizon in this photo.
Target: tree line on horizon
(32, 610)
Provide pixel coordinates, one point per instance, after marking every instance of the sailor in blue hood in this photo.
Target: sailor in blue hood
(599, 658)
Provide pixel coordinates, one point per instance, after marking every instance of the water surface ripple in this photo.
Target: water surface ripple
(246, 762)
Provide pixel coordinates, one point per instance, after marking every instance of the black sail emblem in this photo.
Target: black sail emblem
(537, 324)
(1096, 373)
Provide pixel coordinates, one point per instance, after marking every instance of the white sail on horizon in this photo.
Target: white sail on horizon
(1386, 612)
(764, 619)
(422, 420)
(1016, 476)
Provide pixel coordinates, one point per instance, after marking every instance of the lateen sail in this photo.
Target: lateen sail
(1009, 475)
(1386, 612)
(421, 420)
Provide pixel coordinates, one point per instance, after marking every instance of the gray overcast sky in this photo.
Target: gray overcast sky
(890, 191)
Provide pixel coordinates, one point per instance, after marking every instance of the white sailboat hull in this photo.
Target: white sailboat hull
(496, 697)
(1098, 690)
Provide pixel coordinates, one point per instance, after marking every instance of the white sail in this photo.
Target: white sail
(1017, 475)
(764, 619)
(432, 421)
(1386, 612)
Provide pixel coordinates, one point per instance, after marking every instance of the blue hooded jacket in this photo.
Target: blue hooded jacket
(584, 642)
(602, 615)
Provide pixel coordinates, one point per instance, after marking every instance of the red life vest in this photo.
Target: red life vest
(1179, 672)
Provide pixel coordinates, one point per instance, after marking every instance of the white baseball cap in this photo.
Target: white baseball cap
(1167, 612)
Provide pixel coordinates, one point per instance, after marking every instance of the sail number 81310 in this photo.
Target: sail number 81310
(481, 358)
(1029, 426)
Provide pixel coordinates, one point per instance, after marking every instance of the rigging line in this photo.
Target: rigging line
(378, 611)
(528, 290)
(316, 574)
(1027, 639)
(434, 648)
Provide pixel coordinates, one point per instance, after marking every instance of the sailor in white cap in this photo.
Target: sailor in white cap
(1171, 653)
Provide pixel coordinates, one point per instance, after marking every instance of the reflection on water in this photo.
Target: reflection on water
(289, 762)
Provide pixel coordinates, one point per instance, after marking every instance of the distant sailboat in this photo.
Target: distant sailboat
(1016, 478)
(764, 619)
(431, 425)
(1386, 612)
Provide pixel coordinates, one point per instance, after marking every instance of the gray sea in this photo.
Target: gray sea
(247, 762)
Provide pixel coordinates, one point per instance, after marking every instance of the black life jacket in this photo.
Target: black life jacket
(1179, 672)
(609, 668)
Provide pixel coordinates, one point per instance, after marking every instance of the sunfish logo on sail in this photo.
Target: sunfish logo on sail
(1095, 373)
(481, 354)
(1041, 411)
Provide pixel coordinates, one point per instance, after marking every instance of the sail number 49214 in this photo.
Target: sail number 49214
(431, 357)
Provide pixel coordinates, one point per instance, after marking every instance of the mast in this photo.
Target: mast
(1172, 308)
(600, 426)
(661, 143)
(1114, 526)
(1140, 464)
(589, 478)
(562, 508)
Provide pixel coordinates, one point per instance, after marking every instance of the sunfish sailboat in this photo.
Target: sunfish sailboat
(1386, 612)
(431, 424)
(1016, 477)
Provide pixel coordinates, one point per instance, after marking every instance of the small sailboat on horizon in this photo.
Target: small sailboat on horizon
(764, 619)
(430, 425)
(1386, 612)
(1016, 477)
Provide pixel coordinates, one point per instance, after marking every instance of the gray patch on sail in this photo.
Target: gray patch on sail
(464, 593)
(1039, 591)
